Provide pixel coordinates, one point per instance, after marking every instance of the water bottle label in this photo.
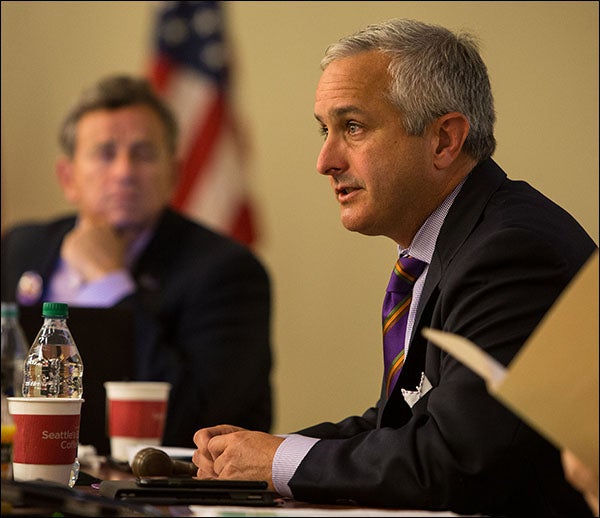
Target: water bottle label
(46, 439)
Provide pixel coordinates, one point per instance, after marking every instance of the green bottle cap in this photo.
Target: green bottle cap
(55, 310)
(10, 309)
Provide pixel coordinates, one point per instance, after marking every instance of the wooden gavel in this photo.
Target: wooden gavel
(152, 462)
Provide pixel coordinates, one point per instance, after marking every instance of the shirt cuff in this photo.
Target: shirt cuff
(287, 458)
(106, 291)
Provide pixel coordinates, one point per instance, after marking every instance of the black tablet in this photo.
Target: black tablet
(189, 491)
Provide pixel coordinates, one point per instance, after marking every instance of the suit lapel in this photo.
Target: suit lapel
(466, 210)
(44, 264)
(148, 267)
(483, 181)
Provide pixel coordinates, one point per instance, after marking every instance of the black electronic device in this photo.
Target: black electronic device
(196, 482)
(189, 491)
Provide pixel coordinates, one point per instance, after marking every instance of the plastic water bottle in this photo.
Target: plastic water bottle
(14, 350)
(53, 367)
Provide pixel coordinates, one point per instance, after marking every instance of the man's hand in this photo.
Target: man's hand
(230, 452)
(95, 249)
(582, 477)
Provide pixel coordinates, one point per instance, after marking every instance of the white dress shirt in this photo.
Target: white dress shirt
(67, 285)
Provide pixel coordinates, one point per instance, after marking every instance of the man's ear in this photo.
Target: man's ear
(64, 174)
(450, 132)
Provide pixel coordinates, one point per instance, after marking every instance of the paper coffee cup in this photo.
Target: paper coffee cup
(46, 437)
(136, 412)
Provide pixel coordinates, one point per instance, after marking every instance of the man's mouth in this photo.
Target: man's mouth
(345, 193)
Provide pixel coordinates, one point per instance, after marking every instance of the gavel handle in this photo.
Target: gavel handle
(181, 467)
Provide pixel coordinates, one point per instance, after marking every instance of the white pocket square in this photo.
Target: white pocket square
(412, 396)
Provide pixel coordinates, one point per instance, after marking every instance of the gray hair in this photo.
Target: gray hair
(112, 93)
(434, 72)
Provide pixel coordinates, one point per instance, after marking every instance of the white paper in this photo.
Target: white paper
(203, 510)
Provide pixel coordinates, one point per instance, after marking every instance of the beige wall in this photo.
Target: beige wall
(328, 283)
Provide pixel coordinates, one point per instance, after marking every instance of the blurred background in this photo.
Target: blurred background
(328, 283)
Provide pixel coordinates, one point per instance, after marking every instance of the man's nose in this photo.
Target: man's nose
(123, 165)
(331, 158)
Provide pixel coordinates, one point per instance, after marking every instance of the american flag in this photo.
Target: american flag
(190, 68)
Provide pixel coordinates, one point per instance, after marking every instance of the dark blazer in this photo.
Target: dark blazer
(201, 313)
(504, 254)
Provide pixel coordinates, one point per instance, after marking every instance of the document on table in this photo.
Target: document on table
(552, 383)
(202, 510)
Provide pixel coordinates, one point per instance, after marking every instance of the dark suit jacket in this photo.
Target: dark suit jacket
(503, 256)
(201, 316)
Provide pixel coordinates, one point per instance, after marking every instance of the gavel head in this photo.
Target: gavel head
(151, 462)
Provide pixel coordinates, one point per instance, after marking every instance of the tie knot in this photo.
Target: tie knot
(406, 271)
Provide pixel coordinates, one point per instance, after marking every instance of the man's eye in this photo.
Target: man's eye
(352, 127)
(145, 153)
(106, 153)
(323, 131)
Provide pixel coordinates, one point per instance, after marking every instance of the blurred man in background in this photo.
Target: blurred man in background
(200, 301)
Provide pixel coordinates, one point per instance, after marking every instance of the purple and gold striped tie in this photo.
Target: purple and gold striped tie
(395, 315)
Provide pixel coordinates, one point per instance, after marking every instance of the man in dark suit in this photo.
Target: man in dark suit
(200, 301)
(407, 113)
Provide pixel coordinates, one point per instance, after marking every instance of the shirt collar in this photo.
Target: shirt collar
(423, 244)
